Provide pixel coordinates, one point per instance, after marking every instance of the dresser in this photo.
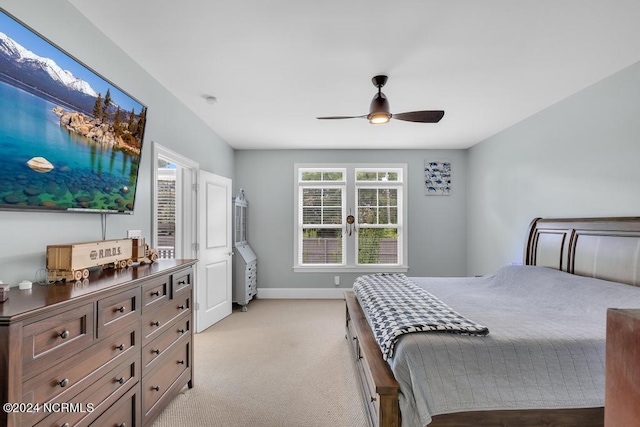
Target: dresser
(112, 350)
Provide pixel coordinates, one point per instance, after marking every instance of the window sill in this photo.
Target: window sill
(335, 269)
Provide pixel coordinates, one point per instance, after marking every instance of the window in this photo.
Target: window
(378, 240)
(370, 194)
(321, 195)
(174, 209)
(166, 209)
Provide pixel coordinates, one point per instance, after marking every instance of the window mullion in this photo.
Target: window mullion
(351, 209)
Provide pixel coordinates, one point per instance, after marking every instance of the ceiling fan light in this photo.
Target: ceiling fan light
(379, 109)
(379, 118)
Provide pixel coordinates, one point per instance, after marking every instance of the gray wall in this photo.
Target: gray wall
(577, 158)
(437, 237)
(580, 157)
(24, 236)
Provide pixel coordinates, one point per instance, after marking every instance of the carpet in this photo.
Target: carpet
(282, 363)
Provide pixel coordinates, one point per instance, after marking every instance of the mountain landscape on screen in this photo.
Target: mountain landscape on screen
(43, 77)
(67, 144)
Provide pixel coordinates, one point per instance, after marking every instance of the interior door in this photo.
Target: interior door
(213, 293)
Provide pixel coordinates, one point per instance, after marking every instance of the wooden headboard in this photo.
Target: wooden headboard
(604, 248)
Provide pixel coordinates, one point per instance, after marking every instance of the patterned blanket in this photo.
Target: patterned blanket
(395, 306)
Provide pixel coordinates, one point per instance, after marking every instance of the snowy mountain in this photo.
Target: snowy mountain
(43, 77)
(21, 55)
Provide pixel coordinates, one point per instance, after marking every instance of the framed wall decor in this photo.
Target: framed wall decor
(437, 178)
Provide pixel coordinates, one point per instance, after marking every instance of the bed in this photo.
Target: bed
(568, 264)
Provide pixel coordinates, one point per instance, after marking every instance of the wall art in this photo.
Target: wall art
(437, 178)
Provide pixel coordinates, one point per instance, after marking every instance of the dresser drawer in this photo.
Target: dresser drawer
(155, 293)
(97, 397)
(156, 322)
(373, 398)
(65, 380)
(55, 338)
(155, 385)
(181, 282)
(116, 311)
(353, 338)
(122, 413)
(161, 344)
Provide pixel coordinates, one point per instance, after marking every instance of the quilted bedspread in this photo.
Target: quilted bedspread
(546, 347)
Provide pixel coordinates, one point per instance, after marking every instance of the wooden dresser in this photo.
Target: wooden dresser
(109, 351)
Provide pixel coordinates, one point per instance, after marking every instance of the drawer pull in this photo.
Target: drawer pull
(155, 293)
(181, 331)
(182, 282)
(180, 362)
(354, 338)
(373, 399)
(156, 388)
(120, 380)
(121, 309)
(64, 334)
(181, 307)
(64, 425)
(156, 323)
(64, 383)
(157, 351)
(120, 347)
(122, 425)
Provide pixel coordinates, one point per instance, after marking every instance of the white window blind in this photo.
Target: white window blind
(166, 205)
(321, 208)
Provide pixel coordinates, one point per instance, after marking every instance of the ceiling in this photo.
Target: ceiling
(274, 66)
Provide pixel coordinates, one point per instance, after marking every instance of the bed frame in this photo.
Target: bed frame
(604, 248)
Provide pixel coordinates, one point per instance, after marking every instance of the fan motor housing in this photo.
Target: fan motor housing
(379, 81)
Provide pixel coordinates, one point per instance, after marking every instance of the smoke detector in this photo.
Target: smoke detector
(210, 99)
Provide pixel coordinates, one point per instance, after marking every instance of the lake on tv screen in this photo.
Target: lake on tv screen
(44, 165)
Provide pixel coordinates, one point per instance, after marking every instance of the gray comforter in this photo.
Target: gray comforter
(545, 350)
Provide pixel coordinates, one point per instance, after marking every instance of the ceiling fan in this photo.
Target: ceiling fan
(379, 110)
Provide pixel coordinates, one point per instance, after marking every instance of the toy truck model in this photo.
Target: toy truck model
(72, 261)
(141, 252)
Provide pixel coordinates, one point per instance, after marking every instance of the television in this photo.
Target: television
(70, 140)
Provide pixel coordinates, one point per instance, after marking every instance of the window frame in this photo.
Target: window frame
(350, 245)
(319, 184)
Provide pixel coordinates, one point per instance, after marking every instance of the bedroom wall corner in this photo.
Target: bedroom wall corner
(577, 158)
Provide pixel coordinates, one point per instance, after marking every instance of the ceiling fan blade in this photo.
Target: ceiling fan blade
(340, 117)
(432, 116)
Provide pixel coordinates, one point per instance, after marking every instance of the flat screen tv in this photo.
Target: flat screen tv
(69, 139)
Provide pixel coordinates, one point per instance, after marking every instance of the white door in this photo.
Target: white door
(213, 293)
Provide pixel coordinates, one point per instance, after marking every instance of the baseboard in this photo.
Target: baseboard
(301, 293)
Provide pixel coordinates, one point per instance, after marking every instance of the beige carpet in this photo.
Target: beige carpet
(281, 363)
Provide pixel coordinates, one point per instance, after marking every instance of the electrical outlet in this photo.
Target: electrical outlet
(134, 234)
(336, 280)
